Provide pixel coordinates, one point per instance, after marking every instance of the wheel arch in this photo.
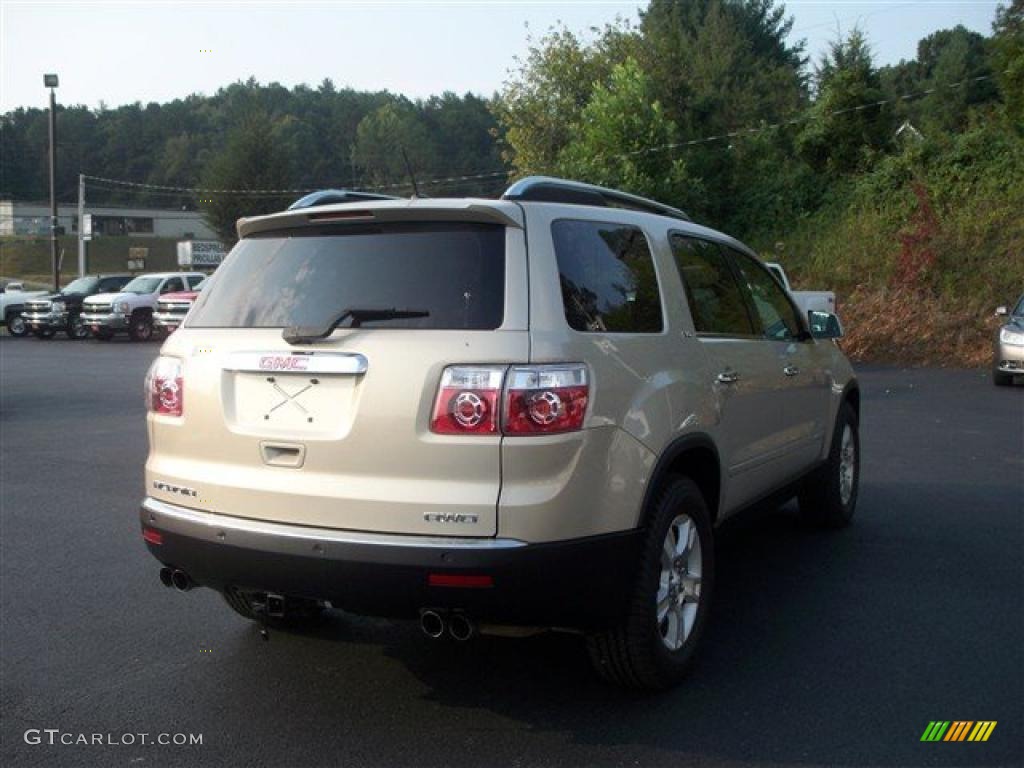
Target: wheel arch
(694, 455)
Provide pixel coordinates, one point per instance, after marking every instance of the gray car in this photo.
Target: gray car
(1009, 348)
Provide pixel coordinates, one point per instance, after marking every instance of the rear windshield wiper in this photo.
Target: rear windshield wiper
(307, 334)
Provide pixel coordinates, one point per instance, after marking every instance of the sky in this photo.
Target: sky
(126, 51)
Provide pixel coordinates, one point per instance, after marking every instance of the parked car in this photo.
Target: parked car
(12, 303)
(172, 308)
(807, 301)
(131, 309)
(496, 415)
(46, 314)
(1009, 348)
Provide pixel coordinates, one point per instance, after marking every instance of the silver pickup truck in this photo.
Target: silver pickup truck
(12, 303)
(807, 301)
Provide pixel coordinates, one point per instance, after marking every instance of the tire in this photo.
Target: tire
(45, 333)
(16, 325)
(1001, 379)
(141, 327)
(77, 330)
(299, 611)
(828, 496)
(643, 652)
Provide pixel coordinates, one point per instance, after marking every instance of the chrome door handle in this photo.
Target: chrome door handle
(728, 377)
(791, 370)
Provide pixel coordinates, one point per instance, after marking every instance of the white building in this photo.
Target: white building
(21, 218)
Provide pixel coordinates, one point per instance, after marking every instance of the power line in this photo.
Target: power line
(808, 114)
(122, 182)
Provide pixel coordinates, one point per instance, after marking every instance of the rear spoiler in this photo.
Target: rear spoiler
(507, 214)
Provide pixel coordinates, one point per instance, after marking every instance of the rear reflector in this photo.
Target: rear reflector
(471, 581)
(153, 537)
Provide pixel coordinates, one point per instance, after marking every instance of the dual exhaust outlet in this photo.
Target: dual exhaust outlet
(435, 623)
(172, 577)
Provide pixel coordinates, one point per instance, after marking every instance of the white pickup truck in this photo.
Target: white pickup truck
(131, 309)
(807, 301)
(12, 303)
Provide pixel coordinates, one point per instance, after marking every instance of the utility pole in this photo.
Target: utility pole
(81, 225)
(50, 81)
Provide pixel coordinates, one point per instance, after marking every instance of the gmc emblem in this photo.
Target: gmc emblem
(283, 363)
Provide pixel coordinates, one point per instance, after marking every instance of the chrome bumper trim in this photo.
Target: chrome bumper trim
(116, 320)
(259, 534)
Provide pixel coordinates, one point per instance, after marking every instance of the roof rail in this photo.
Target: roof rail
(329, 196)
(547, 189)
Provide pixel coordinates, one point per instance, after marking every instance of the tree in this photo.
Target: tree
(944, 59)
(546, 93)
(718, 65)
(847, 126)
(383, 136)
(1008, 58)
(611, 145)
(251, 160)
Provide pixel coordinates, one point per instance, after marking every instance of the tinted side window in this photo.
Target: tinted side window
(774, 310)
(607, 276)
(173, 285)
(715, 298)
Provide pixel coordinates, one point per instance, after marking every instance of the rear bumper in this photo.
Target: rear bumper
(582, 583)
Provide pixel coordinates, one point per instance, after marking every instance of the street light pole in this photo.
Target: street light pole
(51, 82)
(81, 225)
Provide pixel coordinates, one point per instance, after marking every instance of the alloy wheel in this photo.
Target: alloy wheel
(847, 465)
(679, 584)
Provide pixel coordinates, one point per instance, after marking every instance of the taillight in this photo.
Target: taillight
(543, 399)
(467, 402)
(164, 390)
(535, 399)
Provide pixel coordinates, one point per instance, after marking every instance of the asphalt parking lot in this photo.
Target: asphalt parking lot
(833, 648)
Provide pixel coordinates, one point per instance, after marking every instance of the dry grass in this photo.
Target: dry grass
(905, 327)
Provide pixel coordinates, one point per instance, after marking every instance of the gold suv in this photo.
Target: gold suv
(496, 415)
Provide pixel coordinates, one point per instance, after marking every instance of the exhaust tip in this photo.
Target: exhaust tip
(460, 627)
(167, 576)
(432, 624)
(181, 581)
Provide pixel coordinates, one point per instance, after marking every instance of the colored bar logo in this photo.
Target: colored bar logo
(958, 730)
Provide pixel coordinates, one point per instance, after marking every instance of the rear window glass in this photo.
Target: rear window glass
(607, 276)
(454, 272)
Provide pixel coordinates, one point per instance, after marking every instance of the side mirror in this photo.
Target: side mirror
(824, 325)
(1002, 311)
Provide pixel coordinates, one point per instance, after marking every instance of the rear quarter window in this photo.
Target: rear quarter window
(455, 272)
(607, 277)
